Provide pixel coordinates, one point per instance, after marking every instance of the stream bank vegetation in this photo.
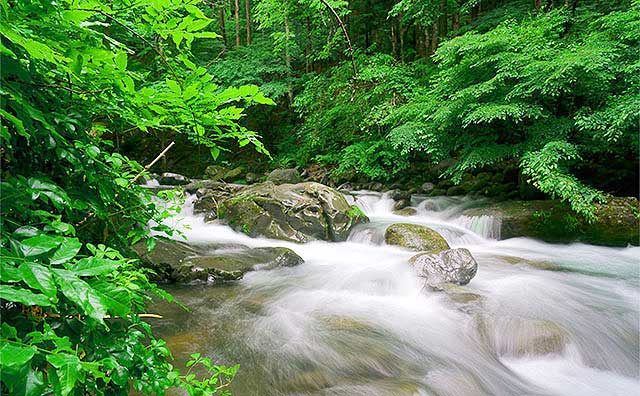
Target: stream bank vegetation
(544, 92)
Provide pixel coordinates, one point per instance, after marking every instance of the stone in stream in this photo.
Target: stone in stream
(292, 212)
(405, 212)
(284, 176)
(455, 266)
(415, 237)
(172, 179)
(519, 337)
(179, 262)
(233, 266)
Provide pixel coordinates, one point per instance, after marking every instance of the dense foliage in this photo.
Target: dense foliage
(77, 76)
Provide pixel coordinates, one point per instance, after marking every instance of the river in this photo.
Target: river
(354, 319)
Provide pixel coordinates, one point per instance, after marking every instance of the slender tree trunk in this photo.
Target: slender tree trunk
(307, 48)
(237, 17)
(223, 31)
(427, 49)
(247, 7)
(287, 59)
(456, 22)
(401, 29)
(346, 36)
(394, 50)
(434, 38)
(536, 4)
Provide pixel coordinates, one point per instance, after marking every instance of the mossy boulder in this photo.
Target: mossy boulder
(179, 262)
(292, 212)
(233, 265)
(617, 222)
(415, 237)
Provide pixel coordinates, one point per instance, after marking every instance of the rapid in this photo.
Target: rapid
(354, 319)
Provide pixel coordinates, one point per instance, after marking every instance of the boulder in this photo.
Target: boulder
(401, 204)
(208, 199)
(292, 212)
(164, 258)
(233, 265)
(172, 179)
(415, 237)
(455, 266)
(284, 176)
(179, 262)
(616, 223)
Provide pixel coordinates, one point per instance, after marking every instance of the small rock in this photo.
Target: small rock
(401, 204)
(215, 172)
(455, 266)
(405, 212)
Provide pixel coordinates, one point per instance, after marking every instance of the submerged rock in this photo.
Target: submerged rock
(616, 224)
(415, 237)
(292, 212)
(455, 266)
(519, 337)
(284, 176)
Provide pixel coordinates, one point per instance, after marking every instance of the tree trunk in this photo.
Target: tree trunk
(402, 32)
(434, 38)
(427, 41)
(223, 31)
(247, 7)
(394, 50)
(287, 59)
(456, 22)
(536, 4)
(307, 48)
(237, 17)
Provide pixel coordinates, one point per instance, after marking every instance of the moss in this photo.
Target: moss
(354, 211)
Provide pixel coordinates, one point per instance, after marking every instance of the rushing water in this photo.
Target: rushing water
(354, 319)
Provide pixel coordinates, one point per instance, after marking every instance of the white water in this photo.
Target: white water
(538, 319)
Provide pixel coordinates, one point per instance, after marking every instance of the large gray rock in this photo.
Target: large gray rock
(284, 176)
(233, 265)
(291, 212)
(455, 266)
(415, 237)
(179, 262)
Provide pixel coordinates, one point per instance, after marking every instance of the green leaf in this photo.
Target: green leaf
(40, 278)
(68, 249)
(23, 296)
(93, 266)
(121, 60)
(9, 273)
(116, 299)
(175, 87)
(16, 355)
(37, 245)
(68, 370)
(80, 293)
